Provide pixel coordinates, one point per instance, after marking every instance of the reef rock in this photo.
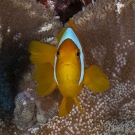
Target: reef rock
(25, 111)
(31, 110)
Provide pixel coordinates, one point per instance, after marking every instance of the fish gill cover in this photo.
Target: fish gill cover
(108, 37)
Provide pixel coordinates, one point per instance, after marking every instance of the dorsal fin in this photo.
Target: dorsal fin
(61, 34)
(71, 24)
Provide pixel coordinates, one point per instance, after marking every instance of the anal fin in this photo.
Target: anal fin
(78, 104)
(66, 106)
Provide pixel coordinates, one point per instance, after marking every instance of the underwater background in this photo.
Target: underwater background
(108, 37)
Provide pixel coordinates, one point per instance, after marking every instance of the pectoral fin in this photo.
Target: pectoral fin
(95, 79)
(41, 53)
(66, 106)
(45, 79)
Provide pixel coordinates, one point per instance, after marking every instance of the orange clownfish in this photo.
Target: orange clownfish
(64, 67)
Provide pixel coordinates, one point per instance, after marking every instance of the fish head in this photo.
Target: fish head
(68, 54)
(68, 66)
(69, 59)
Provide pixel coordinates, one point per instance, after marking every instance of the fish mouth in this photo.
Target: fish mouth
(68, 68)
(68, 72)
(68, 64)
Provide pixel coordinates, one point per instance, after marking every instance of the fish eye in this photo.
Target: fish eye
(58, 53)
(78, 53)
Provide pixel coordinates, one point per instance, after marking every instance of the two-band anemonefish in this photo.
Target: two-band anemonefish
(63, 67)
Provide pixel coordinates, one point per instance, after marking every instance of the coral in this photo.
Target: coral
(21, 22)
(108, 36)
(67, 8)
(47, 108)
(108, 40)
(31, 110)
(25, 111)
